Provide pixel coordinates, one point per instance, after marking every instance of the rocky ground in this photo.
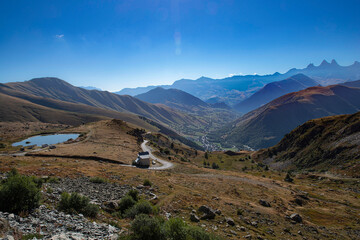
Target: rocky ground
(53, 224)
(241, 200)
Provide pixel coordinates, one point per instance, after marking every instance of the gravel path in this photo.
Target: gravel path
(165, 164)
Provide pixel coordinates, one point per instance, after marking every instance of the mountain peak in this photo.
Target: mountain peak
(311, 65)
(356, 63)
(324, 63)
(334, 63)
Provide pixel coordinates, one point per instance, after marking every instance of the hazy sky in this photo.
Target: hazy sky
(117, 44)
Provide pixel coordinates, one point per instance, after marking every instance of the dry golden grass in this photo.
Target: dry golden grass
(332, 206)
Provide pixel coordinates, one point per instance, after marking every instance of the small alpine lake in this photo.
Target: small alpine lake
(46, 139)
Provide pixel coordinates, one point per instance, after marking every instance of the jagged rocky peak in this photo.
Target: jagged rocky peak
(356, 63)
(311, 65)
(333, 62)
(324, 63)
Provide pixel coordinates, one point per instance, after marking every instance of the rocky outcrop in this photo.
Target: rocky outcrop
(53, 224)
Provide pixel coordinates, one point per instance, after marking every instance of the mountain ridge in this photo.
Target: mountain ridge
(274, 90)
(236, 88)
(265, 126)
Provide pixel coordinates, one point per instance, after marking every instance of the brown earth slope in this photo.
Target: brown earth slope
(330, 143)
(57, 89)
(267, 125)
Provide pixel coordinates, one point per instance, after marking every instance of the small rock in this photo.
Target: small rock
(248, 236)
(254, 224)
(230, 221)
(264, 203)
(194, 218)
(218, 211)
(296, 217)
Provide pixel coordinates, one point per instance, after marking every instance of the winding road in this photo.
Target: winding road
(165, 164)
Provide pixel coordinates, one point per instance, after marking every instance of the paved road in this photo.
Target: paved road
(165, 164)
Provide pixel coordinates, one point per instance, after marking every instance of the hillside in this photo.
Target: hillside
(324, 143)
(173, 98)
(266, 126)
(233, 90)
(57, 89)
(352, 84)
(274, 90)
(19, 110)
(36, 109)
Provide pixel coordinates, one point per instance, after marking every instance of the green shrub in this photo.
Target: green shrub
(175, 229)
(19, 194)
(2, 145)
(141, 207)
(53, 180)
(134, 194)
(196, 233)
(126, 203)
(147, 183)
(90, 210)
(98, 180)
(239, 212)
(215, 165)
(145, 227)
(76, 203)
(32, 236)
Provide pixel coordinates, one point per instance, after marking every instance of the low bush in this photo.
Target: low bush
(31, 236)
(145, 227)
(147, 183)
(19, 194)
(175, 229)
(196, 233)
(141, 207)
(126, 203)
(98, 180)
(75, 203)
(134, 194)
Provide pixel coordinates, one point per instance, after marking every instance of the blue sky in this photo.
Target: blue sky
(117, 44)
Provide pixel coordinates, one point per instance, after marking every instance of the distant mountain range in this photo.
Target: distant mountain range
(330, 143)
(266, 126)
(54, 88)
(176, 98)
(274, 90)
(90, 88)
(233, 90)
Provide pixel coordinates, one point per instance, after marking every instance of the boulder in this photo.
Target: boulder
(209, 213)
(296, 217)
(264, 203)
(194, 218)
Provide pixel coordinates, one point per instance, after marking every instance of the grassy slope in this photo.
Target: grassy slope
(266, 126)
(325, 143)
(57, 89)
